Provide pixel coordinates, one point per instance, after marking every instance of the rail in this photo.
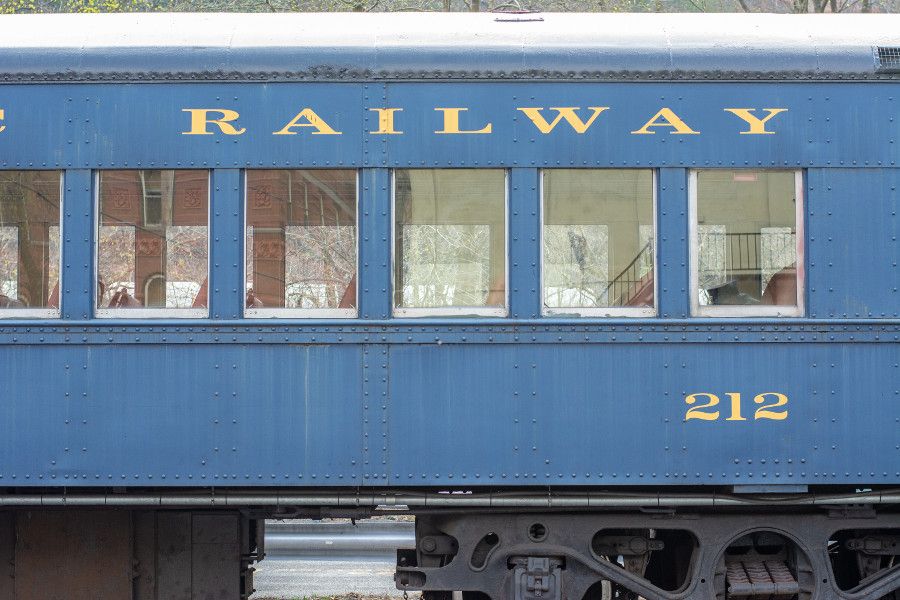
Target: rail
(318, 539)
(409, 502)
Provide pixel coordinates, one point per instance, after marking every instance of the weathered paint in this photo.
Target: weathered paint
(526, 400)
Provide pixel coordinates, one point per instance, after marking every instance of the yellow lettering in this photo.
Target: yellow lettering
(563, 112)
(697, 411)
(451, 122)
(757, 125)
(312, 120)
(200, 120)
(764, 412)
(386, 121)
(2, 116)
(669, 119)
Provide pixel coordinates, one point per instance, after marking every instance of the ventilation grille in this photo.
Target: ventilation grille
(888, 59)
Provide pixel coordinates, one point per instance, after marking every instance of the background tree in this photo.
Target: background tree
(777, 6)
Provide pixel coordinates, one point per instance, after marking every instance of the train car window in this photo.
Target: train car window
(747, 250)
(153, 244)
(450, 242)
(598, 242)
(301, 243)
(29, 243)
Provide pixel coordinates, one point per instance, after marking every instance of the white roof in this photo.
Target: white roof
(393, 42)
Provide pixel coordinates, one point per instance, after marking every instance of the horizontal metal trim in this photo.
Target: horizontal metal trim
(460, 312)
(749, 310)
(447, 337)
(300, 313)
(151, 313)
(500, 325)
(612, 312)
(336, 75)
(29, 313)
(398, 502)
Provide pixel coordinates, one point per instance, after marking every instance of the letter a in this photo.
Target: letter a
(200, 120)
(312, 120)
(757, 125)
(669, 119)
(563, 112)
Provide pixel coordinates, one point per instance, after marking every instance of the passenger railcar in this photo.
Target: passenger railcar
(609, 302)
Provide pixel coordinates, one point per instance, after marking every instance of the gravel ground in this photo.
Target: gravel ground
(333, 577)
(348, 578)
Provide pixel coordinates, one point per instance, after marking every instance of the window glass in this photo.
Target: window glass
(598, 241)
(301, 241)
(450, 240)
(746, 245)
(153, 241)
(29, 241)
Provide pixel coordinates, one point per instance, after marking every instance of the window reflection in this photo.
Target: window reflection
(746, 240)
(153, 239)
(598, 239)
(450, 238)
(301, 239)
(29, 239)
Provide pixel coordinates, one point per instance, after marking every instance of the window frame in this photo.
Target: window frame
(151, 313)
(632, 312)
(754, 310)
(299, 313)
(450, 311)
(44, 313)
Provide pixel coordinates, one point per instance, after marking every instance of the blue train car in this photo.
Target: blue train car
(609, 302)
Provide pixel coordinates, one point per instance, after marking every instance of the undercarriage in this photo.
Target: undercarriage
(508, 545)
(666, 555)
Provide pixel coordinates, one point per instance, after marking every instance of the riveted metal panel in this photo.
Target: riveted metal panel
(821, 127)
(181, 415)
(673, 244)
(617, 415)
(226, 294)
(106, 120)
(524, 244)
(376, 413)
(375, 245)
(526, 400)
(455, 331)
(77, 295)
(825, 125)
(853, 246)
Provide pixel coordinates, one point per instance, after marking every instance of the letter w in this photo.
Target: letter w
(562, 112)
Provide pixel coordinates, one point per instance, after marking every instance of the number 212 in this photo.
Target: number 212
(702, 413)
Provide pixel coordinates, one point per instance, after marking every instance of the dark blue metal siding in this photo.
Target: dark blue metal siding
(183, 415)
(673, 251)
(77, 297)
(523, 400)
(853, 229)
(140, 126)
(614, 414)
(609, 408)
